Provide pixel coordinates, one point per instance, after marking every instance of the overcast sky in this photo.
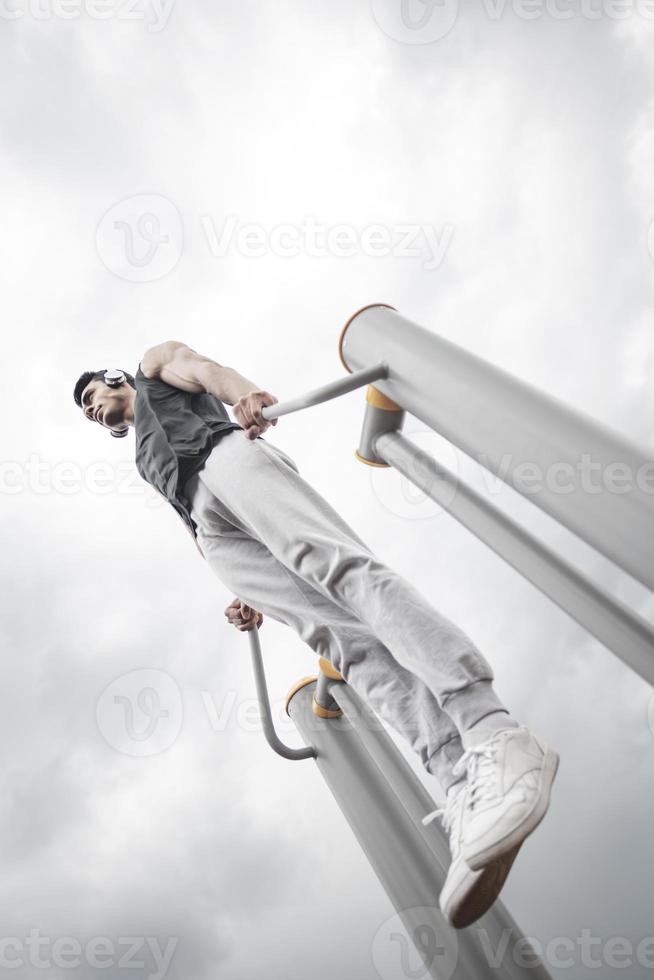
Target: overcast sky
(172, 171)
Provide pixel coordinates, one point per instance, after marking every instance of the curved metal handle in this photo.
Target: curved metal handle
(264, 706)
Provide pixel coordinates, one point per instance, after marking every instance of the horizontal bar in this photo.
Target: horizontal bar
(264, 706)
(502, 423)
(326, 392)
(621, 629)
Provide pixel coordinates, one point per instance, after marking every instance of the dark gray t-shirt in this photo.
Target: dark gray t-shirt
(175, 432)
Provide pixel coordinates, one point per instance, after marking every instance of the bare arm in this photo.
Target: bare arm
(182, 367)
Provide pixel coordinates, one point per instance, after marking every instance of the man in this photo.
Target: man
(273, 540)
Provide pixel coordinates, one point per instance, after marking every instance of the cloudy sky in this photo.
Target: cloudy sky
(177, 170)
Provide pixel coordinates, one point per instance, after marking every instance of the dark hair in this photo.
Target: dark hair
(88, 376)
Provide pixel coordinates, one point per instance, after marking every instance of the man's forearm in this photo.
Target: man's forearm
(224, 382)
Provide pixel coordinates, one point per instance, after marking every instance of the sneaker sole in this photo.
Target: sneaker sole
(469, 904)
(479, 859)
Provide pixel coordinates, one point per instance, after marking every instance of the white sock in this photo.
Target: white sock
(494, 722)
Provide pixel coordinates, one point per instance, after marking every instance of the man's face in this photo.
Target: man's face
(105, 405)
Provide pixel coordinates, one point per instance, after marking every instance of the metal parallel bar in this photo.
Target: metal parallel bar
(406, 786)
(326, 392)
(401, 857)
(502, 423)
(417, 802)
(264, 706)
(614, 624)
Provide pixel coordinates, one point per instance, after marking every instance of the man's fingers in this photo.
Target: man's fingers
(259, 400)
(265, 400)
(242, 616)
(243, 412)
(251, 408)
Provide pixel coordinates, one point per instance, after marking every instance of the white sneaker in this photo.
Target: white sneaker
(466, 894)
(509, 775)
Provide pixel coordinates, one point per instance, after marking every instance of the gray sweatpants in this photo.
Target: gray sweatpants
(279, 546)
